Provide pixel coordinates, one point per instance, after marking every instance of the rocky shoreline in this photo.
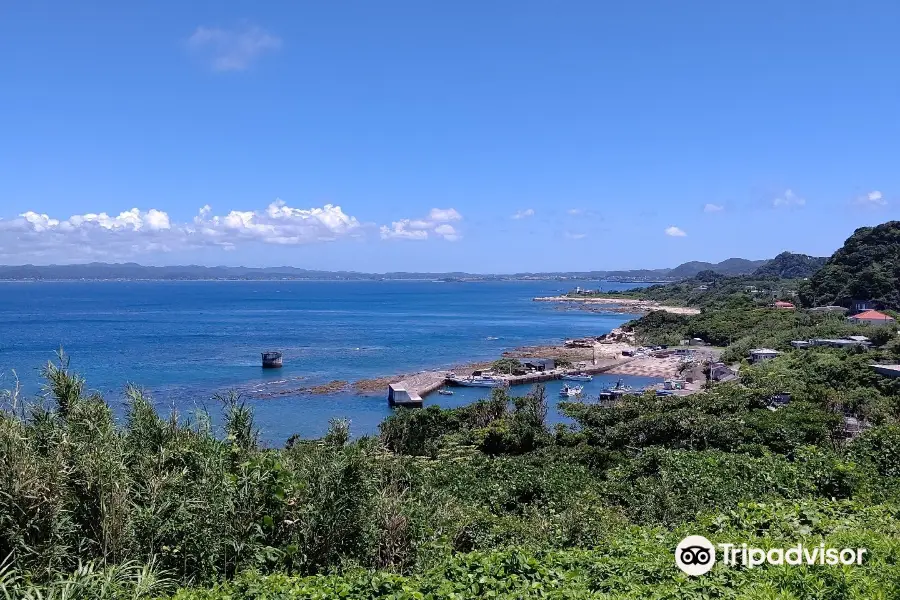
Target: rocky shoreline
(606, 349)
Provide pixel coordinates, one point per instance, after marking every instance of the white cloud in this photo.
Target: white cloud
(232, 49)
(98, 235)
(575, 211)
(444, 214)
(524, 214)
(675, 231)
(788, 199)
(713, 208)
(872, 199)
(574, 235)
(437, 224)
(448, 232)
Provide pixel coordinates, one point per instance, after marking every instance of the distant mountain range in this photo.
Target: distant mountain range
(133, 271)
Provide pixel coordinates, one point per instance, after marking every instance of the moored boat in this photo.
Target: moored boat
(577, 377)
(445, 392)
(571, 391)
(478, 381)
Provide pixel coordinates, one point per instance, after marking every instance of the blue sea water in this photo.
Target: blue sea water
(185, 341)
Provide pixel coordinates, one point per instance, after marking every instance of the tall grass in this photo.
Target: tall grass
(82, 498)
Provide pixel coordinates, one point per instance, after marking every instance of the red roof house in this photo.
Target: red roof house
(873, 317)
(781, 304)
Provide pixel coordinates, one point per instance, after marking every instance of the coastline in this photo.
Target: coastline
(620, 305)
(601, 354)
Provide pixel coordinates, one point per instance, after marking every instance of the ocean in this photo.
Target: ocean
(185, 341)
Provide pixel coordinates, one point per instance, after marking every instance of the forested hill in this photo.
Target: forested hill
(731, 266)
(866, 267)
(788, 265)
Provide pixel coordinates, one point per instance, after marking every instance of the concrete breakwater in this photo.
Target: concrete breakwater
(410, 392)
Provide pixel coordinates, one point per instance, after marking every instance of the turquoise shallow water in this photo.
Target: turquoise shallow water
(184, 341)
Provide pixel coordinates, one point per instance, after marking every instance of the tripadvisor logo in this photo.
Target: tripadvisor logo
(696, 555)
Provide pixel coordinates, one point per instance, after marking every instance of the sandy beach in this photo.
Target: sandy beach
(626, 305)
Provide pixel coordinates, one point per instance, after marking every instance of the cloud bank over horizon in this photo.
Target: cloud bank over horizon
(136, 232)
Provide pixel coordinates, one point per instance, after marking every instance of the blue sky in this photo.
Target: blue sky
(408, 135)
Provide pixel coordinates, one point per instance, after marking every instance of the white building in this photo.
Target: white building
(763, 354)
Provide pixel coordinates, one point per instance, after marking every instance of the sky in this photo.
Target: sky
(498, 136)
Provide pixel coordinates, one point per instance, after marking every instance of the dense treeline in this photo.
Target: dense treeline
(476, 501)
(711, 290)
(788, 265)
(867, 267)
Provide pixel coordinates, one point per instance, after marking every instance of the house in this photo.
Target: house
(786, 305)
(872, 317)
(720, 372)
(857, 338)
(702, 288)
(537, 364)
(801, 344)
(842, 343)
(763, 354)
(887, 370)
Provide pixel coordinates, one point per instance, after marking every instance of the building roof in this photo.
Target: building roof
(872, 315)
(764, 351)
(781, 304)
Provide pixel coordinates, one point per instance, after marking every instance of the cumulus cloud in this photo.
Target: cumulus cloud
(232, 49)
(788, 200)
(873, 199)
(713, 208)
(98, 235)
(675, 231)
(437, 224)
(524, 214)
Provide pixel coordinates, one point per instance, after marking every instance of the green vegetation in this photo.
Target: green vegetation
(710, 289)
(867, 267)
(480, 501)
(788, 265)
(743, 326)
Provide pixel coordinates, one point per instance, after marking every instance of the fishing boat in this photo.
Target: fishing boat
(489, 381)
(620, 389)
(445, 392)
(570, 392)
(577, 377)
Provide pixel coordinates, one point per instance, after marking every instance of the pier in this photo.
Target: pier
(410, 391)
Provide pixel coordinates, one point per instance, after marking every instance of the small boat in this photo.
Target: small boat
(570, 392)
(491, 338)
(620, 389)
(478, 381)
(444, 392)
(578, 377)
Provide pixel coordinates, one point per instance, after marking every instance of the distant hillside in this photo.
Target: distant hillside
(731, 266)
(866, 267)
(133, 271)
(788, 265)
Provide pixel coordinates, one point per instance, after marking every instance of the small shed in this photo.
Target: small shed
(763, 354)
(537, 364)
